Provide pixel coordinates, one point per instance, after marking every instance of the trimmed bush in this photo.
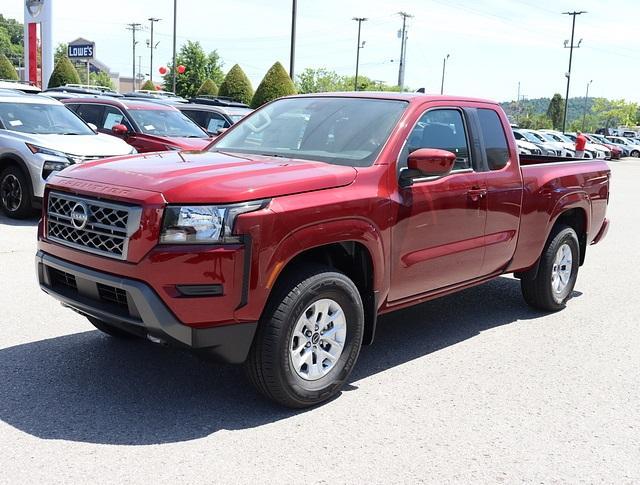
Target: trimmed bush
(63, 73)
(208, 88)
(236, 85)
(275, 84)
(7, 71)
(148, 86)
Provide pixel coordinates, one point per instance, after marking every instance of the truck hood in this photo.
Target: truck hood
(180, 142)
(213, 177)
(84, 145)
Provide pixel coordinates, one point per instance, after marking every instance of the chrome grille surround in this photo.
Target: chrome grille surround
(106, 230)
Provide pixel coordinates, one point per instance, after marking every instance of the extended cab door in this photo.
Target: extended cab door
(437, 238)
(504, 189)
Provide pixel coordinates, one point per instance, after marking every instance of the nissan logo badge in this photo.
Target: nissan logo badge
(79, 215)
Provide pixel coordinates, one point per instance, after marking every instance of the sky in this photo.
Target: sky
(493, 44)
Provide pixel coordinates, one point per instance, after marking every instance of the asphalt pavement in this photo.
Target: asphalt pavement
(471, 388)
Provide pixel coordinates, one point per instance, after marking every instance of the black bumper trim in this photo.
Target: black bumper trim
(228, 343)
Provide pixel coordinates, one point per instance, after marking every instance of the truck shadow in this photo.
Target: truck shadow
(87, 387)
(29, 222)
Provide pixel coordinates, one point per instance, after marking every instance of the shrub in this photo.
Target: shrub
(7, 71)
(148, 86)
(236, 85)
(63, 73)
(208, 88)
(275, 84)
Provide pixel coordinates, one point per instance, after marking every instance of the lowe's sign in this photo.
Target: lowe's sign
(81, 51)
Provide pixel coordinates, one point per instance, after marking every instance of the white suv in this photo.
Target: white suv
(39, 136)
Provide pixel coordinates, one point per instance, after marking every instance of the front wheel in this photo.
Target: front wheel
(15, 198)
(635, 153)
(308, 340)
(557, 272)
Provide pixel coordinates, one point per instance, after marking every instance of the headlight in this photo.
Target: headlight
(133, 151)
(49, 167)
(45, 151)
(203, 224)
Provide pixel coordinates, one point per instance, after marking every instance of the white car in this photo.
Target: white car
(591, 151)
(546, 147)
(39, 136)
(527, 148)
(601, 151)
(563, 149)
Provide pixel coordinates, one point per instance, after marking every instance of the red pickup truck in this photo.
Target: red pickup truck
(281, 244)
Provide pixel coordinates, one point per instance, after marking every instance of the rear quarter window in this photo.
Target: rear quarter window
(495, 141)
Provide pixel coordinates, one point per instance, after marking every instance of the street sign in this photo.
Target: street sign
(81, 51)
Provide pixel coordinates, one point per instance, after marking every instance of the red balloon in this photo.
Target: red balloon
(158, 88)
(163, 70)
(181, 69)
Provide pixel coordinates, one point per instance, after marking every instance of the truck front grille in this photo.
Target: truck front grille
(91, 225)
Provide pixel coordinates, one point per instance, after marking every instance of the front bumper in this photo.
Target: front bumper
(136, 307)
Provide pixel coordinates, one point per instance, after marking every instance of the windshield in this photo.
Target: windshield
(166, 122)
(42, 119)
(548, 137)
(341, 131)
(531, 137)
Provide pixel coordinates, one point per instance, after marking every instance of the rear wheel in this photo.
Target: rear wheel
(111, 330)
(309, 338)
(635, 153)
(557, 272)
(15, 197)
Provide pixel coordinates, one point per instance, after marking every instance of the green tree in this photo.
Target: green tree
(63, 73)
(199, 66)
(101, 79)
(535, 122)
(275, 84)
(208, 88)
(7, 71)
(61, 51)
(148, 86)
(318, 81)
(11, 38)
(555, 111)
(236, 85)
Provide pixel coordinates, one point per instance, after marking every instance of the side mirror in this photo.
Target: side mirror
(220, 131)
(430, 162)
(119, 130)
(93, 127)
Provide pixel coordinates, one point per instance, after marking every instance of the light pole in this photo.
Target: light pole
(360, 46)
(173, 64)
(292, 53)
(571, 47)
(586, 100)
(152, 46)
(444, 67)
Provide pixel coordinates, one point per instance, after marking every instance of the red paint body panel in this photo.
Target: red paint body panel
(430, 239)
(33, 53)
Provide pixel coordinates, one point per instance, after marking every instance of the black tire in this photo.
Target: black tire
(635, 153)
(111, 330)
(269, 366)
(538, 292)
(15, 195)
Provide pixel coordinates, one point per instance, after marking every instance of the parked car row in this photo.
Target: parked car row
(42, 133)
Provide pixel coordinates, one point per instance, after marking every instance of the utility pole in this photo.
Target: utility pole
(360, 46)
(173, 64)
(586, 100)
(140, 76)
(403, 46)
(292, 54)
(573, 14)
(152, 46)
(444, 66)
(518, 105)
(134, 28)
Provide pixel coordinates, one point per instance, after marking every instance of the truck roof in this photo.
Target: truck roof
(411, 97)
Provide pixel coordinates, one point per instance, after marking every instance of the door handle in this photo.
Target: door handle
(475, 194)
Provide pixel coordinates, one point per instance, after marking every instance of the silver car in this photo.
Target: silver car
(39, 136)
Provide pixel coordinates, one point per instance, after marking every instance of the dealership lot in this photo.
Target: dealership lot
(475, 387)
